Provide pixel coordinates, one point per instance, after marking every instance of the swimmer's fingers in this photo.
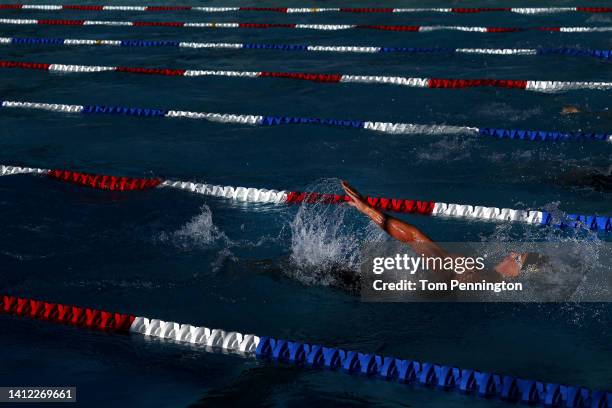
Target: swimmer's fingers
(350, 190)
(347, 187)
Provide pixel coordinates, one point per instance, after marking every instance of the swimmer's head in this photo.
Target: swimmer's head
(570, 110)
(512, 265)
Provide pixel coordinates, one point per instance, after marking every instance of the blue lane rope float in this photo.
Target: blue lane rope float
(432, 375)
(260, 120)
(309, 355)
(565, 51)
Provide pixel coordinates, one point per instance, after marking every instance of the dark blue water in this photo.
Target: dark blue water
(265, 270)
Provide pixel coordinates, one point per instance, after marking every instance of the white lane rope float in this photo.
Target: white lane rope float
(302, 10)
(322, 27)
(278, 120)
(270, 196)
(547, 86)
(338, 49)
(312, 356)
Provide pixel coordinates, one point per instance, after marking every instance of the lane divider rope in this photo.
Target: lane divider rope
(269, 196)
(309, 355)
(324, 27)
(261, 120)
(411, 82)
(460, 10)
(358, 49)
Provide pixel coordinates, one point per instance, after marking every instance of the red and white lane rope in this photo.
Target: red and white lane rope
(460, 10)
(411, 82)
(314, 356)
(269, 196)
(324, 27)
(125, 323)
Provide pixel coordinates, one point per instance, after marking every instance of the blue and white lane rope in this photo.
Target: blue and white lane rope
(261, 120)
(271, 196)
(314, 356)
(355, 49)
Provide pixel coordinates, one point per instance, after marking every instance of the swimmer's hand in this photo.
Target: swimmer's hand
(360, 203)
(357, 199)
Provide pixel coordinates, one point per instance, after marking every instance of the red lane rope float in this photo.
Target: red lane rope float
(386, 204)
(24, 65)
(302, 76)
(152, 71)
(67, 314)
(102, 182)
(61, 22)
(411, 82)
(471, 83)
(83, 8)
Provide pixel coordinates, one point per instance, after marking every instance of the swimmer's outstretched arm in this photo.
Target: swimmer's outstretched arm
(400, 230)
(509, 267)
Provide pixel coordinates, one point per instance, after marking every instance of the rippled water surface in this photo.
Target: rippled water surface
(261, 269)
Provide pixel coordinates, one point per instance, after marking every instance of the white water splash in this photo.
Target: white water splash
(223, 256)
(576, 270)
(200, 231)
(323, 241)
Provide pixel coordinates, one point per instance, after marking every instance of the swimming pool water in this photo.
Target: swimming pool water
(261, 269)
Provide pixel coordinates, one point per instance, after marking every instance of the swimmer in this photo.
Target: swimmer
(570, 110)
(509, 267)
(598, 180)
(575, 110)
